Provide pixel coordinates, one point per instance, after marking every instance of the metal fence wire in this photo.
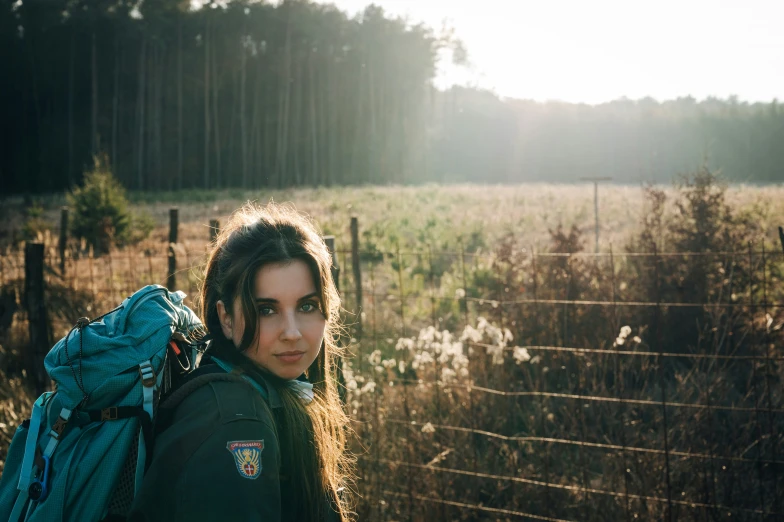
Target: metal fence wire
(537, 386)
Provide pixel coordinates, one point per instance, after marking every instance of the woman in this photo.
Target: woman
(269, 446)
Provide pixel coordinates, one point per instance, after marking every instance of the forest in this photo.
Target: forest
(293, 94)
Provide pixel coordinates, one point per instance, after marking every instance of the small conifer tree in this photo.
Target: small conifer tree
(100, 209)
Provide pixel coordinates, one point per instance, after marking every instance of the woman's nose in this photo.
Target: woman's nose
(290, 328)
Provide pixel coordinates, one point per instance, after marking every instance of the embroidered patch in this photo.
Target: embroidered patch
(247, 457)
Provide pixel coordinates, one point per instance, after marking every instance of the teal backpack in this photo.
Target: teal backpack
(83, 453)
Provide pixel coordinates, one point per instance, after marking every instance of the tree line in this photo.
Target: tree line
(250, 94)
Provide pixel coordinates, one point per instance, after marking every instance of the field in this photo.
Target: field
(416, 215)
(498, 369)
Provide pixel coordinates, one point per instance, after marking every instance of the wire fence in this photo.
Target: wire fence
(587, 423)
(534, 385)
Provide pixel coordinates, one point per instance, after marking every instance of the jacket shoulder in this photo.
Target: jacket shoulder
(223, 398)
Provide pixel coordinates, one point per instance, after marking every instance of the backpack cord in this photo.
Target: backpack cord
(80, 324)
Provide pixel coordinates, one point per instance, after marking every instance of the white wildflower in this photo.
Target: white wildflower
(520, 355)
(460, 293)
(428, 428)
(425, 358)
(471, 334)
(405, 343)
(428, 334)
(624, 333)
(448, 374)
(497, 352)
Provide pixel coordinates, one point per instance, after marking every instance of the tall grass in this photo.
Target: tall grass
(504, 370)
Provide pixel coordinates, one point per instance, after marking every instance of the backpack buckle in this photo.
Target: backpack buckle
(109, 413)
(59, 426)
(147, 374)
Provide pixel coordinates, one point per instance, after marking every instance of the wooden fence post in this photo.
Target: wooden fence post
(174, 219)
(781, 237)
(214, 230)
(63, 238)
(38, 324)
(355, 265)
(330, 241)
(335, 269)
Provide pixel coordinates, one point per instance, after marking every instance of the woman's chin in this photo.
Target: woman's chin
(288, 372)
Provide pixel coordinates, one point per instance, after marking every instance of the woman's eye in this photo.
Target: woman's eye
(308, 307)
(266, 310)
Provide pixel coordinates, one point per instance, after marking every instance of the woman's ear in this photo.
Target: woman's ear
(225, 320)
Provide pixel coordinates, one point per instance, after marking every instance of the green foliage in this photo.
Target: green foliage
(141, 226)
(35, 226)
(701, 222)
(100, 211)
(561, 301)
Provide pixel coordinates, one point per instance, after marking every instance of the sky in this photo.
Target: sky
(600, 50)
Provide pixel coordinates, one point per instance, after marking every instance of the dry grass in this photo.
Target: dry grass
(452, 440)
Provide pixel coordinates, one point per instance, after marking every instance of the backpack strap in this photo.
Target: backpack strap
(148, 386)
(29, 468)
(32, 457)
(144, 448)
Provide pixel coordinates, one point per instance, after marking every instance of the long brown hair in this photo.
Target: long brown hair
(312, 437)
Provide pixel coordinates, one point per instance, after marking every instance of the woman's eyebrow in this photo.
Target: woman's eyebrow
(262, 300)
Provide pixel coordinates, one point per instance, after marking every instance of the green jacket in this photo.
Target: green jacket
(217, 459)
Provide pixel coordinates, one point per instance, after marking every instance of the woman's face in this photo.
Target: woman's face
(291, 324)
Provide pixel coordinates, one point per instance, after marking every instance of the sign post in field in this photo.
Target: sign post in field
(596, 203)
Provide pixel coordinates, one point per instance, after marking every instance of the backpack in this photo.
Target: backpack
(83, 452)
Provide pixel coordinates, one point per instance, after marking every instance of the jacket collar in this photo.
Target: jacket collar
(273, 398)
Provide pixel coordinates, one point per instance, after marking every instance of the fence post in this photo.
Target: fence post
(357, 272)
(36, 315)
(63, 238)
(171, 279)
(656, 335)
(214, 230)
(335, 269)
(330, 241)
(781, 237)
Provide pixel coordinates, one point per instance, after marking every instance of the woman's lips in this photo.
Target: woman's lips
(289, 357)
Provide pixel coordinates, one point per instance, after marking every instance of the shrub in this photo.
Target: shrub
(718, 272)
(35, 227)
(101, 216)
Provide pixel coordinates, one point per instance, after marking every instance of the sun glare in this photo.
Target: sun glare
(594, 52)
